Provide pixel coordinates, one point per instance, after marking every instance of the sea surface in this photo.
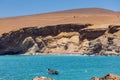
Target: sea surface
(69, 67)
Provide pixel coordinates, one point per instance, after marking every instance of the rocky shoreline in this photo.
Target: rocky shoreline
(109, 76)
(63, 38)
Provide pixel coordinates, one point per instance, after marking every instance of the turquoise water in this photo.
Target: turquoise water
(70, 67)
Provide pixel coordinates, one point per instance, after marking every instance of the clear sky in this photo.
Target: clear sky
(9, 8)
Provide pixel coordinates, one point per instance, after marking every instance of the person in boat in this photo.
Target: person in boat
(51, 71)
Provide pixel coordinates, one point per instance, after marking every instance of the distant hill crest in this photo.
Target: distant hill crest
(88, 11)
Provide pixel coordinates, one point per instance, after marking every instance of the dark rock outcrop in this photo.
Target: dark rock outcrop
(113, 28)
(91, 34)
(107, 77)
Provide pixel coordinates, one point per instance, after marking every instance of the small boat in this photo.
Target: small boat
(51, 71)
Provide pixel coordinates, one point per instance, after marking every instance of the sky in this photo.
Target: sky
(10, 8)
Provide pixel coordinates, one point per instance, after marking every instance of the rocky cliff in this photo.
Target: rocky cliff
(63, 38)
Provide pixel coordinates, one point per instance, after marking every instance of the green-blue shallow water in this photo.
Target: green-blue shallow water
(70, 67)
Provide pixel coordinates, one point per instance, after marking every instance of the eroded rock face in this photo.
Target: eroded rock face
(41, 78)
(64, 38)
(108, 77)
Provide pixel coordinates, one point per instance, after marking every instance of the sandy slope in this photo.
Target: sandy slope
(99, 17)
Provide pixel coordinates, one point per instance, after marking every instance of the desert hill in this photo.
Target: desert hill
(84, 15)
